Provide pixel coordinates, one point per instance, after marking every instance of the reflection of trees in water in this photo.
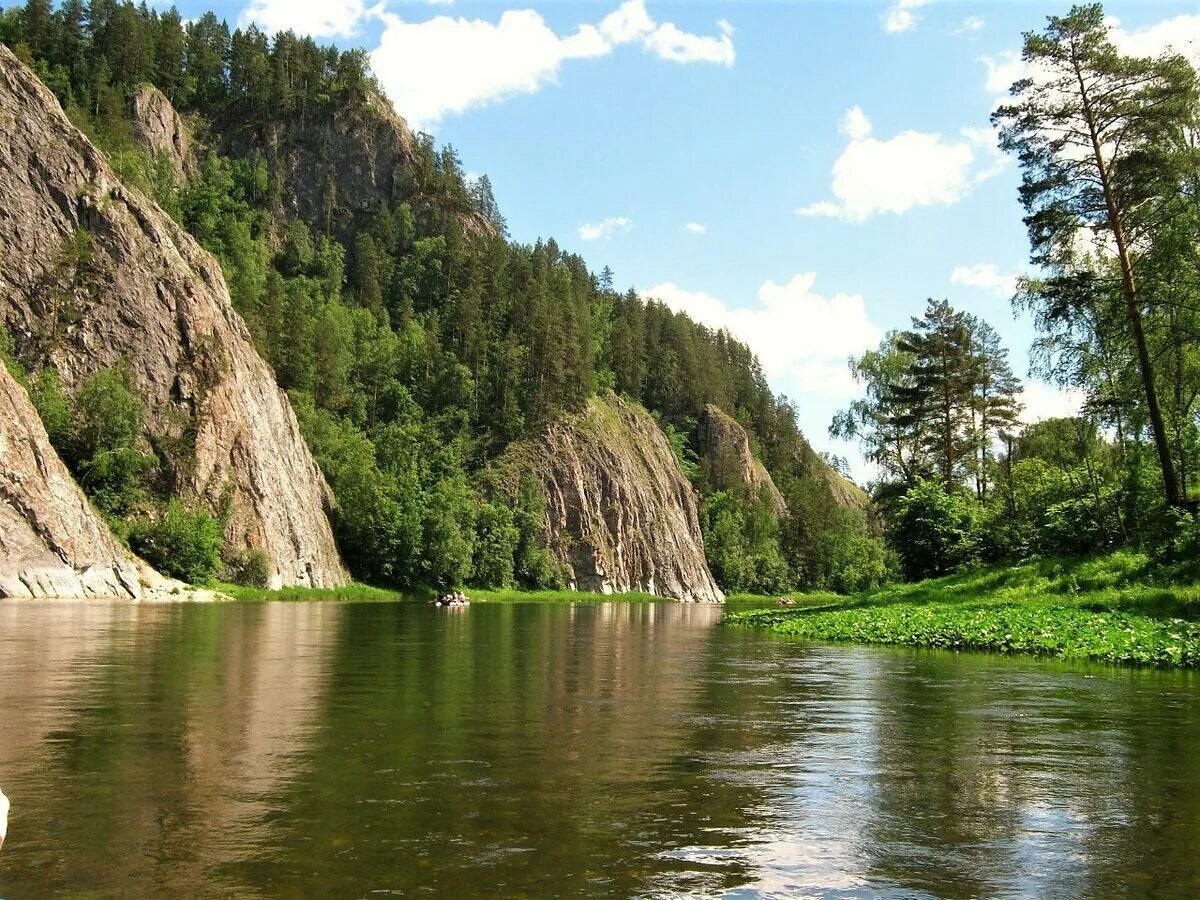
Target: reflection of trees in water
(615, 749)
(490, 752)
(173, 727)
(1005, 777)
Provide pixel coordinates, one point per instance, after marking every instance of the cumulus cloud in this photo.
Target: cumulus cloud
(1043, 401)
(902, 15)
(985, 276)
(802, 338)
(1178, 35)
(912, 169)
(333, 18)
(605, 228)
(447, 64)
(695, 228)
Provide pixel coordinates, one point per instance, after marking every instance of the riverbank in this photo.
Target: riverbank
(356, 592)
(1118, 609)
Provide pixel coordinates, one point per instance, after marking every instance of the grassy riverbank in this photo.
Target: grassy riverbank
(364, 593)
(1118, 609)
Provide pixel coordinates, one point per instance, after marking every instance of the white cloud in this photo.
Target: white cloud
(902, 15)
(985, 276)
(669, 42)
(855, 124)
(802, 338)
(332, 18)
(695, 228)
(909, 170)
(446, 65)
(605, 229)
(1178, 35)
(1043, 401)
(970, 25)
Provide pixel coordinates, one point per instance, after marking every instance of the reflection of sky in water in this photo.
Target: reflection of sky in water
(598, 749)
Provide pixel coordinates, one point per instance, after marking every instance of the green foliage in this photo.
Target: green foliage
(182, 542)
(742, 545)
(249, 568)
(496, 542)
(1110, 609)
(416, 343)
(933, 530)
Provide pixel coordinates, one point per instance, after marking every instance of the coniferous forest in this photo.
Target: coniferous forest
(416, 341)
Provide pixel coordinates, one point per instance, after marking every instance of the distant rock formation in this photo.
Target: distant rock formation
(620, 515)
(161, 130)
(724, 448)
(95, 275)
(336, 169)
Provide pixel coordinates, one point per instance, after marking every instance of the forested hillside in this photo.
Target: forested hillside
(415, 339)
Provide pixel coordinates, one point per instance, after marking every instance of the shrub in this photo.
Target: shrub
(933, 531)
(251, 568)
(182, 542)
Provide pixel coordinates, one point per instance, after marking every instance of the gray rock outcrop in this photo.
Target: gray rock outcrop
(620, 515)
(94, 275)
(725, 450)
(338, 167)
(52, 544)
(161, 130)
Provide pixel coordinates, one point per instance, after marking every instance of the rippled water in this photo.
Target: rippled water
(341, 750)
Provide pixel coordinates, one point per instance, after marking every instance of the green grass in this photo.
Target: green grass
(1118, 609)
(364, 593)
(515, 596)
(351, 593)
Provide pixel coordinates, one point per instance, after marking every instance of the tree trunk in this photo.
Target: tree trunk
(1132, 306)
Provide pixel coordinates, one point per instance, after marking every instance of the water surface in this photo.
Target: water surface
(344, 750)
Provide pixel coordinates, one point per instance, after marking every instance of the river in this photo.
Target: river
(343, 750)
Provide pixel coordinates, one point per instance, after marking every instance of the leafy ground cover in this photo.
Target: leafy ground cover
(1119, 609)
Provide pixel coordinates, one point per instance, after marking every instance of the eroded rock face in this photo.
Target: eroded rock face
(94, 275)
(52, 544)
(160, 129)
(337, 170)
(725, 448)
(620, 515)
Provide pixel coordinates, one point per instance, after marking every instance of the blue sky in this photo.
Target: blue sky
(806, 173)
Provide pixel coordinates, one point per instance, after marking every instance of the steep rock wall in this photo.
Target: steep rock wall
(160, 129)
(52, 544)
(337, 168)
(725, 448)
(94, 275)
(620, 515)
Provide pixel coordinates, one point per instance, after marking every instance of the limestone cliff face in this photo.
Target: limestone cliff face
(51, 542)
(94, 275)
(620, 515)
(160, 129)
(725, 448)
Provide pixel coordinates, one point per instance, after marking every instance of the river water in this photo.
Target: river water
(347, 750)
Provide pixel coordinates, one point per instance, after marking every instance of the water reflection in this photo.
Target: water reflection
(607, 749)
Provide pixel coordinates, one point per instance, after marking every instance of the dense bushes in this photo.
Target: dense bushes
(182, 542)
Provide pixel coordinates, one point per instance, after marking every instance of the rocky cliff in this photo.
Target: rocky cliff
(335, 168)
(94, 275)
(160, 129)
(724, 448)
(51, 542)
(620, 515)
